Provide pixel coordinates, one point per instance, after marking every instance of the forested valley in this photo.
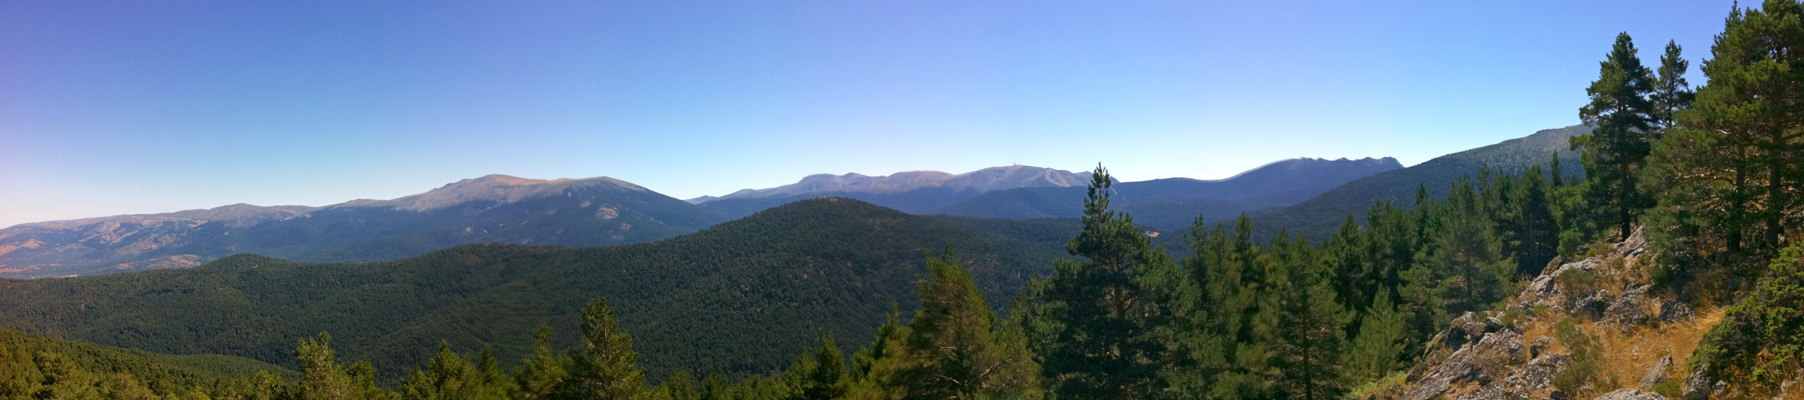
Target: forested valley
(1712, 176)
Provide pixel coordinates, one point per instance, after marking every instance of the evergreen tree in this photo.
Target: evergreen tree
(955, 349)
(1375, 350)
(715, 388)
(1105, 325)
(825, 378)
(1533, 230)
(1729, 174)
(1615, 151)
(540, 374)
(606, 368)
(1466, 253)
(1760, 341)
(63, 379)
(1232, 316)
(23, 378)
(680, 386)
(1671, 92)
(322, 378)
(452, 376)
(1309, 336)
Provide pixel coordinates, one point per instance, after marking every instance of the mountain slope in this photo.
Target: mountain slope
(741, 297)
(1321, 214)
(495, 208)
(1174, 202)
(146, 367)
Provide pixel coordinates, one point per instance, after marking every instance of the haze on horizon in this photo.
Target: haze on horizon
(132, 108)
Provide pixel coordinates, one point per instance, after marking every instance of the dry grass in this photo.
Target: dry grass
(1627, 356)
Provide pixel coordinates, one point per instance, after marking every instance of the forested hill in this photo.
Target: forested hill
(1319, 216)
(741, 297)
(28, 361)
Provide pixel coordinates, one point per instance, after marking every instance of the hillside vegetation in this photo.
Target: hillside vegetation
(777, 281)
(38, 367)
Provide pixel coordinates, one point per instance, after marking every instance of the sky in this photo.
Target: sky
(113, 108)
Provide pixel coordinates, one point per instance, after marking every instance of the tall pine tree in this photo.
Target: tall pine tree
(606, 368)
(1614, 153)
(1105, 328)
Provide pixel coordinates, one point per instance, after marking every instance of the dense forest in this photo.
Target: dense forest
(1712, 174)
(780, 279)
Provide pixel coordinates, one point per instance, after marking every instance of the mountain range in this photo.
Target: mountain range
(1318, 216)
(1305, 195)
(1173, 203)
(491, 209)
(605, 211)
(779, 278)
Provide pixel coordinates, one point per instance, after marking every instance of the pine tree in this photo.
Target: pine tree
(452, 376)
(1309, 332)
(1466, 253)
(322, 378)
(825, 378)
(540, 374)
(1730, 169)
(680, 386)
(1375, 350)
(1615, 151)
(1231, 319)
(1534, 235)
(955, 348)
(1106, 324)
(1671, 92)
(606, 368)
(23, 378)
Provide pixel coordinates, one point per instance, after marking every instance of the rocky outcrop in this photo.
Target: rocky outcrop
(1655, 374)
(1631, 394)
(1478, 357)
(1482, 350)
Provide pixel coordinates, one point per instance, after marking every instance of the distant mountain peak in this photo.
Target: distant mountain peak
(494, 187)
(983, 180)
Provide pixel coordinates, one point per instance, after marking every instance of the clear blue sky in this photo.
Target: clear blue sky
(155, 106)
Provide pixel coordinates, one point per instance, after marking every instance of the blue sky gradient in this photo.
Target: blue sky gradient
(142, 107)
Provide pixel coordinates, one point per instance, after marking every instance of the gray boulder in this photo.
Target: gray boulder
(1631, 394)
(1655, 373)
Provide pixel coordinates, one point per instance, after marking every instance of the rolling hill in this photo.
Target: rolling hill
(741, 297)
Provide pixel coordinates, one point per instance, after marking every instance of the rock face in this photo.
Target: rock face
(1479, 357)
